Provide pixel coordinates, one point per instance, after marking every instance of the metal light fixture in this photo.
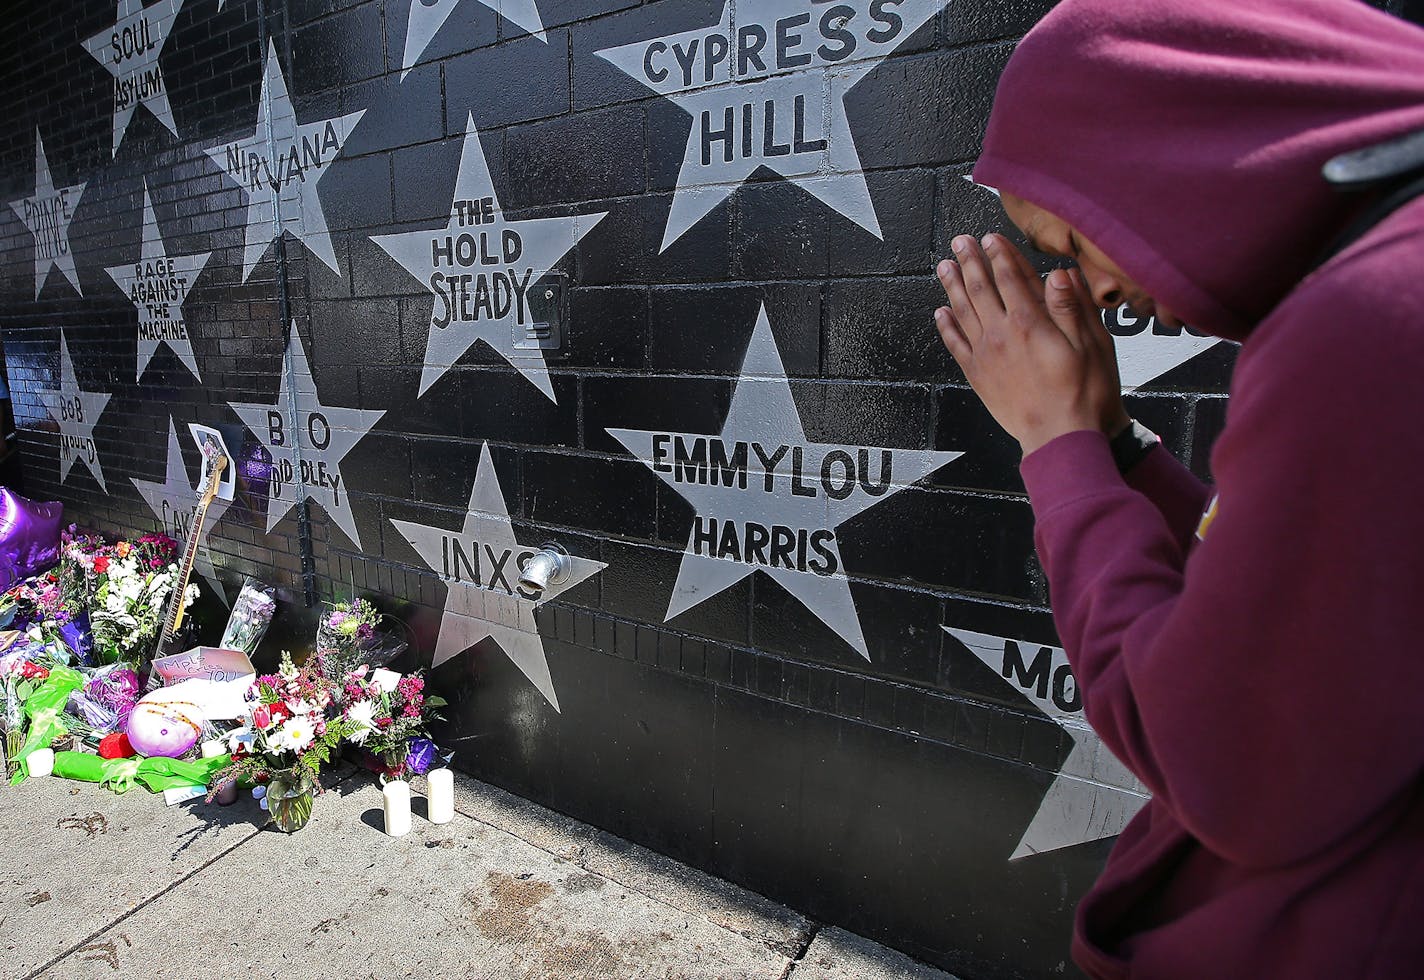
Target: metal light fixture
(549, 566)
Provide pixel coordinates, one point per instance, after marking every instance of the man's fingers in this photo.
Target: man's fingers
(953, 336)
(1017, 290)
(951, 277)
(978, 277)
(1065, 307)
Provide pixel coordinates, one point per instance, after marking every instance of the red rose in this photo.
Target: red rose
(33, 671)
(101, 564)
(115, 746)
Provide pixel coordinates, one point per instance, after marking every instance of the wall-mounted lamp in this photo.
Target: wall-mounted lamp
(549, 566)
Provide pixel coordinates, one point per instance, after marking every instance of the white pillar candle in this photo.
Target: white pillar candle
(397, 807)
(40, 762)
(213, 747)
(440, 798)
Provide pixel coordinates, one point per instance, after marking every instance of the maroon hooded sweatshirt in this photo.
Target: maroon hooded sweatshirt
(1267, 680)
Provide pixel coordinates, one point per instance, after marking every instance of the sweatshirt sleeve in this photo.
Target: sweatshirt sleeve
(1174, 490)
(1266, 688)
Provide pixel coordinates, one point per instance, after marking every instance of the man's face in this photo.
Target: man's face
(1109, 285)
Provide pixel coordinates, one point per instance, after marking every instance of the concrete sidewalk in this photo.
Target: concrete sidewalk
(99, 885)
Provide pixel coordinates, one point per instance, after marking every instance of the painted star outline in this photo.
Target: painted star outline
(131, 12)
(475, 612)
(428, 16)
(91, 405)
(276, 138)
(1093, 795)
(45, 190)
(343, 429)
(764, 411)
(834, 175)
(545, 243)
(185, 267)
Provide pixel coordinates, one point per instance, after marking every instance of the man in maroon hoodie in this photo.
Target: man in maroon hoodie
(1255, 653)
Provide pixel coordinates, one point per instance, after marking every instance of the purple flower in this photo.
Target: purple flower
(337, 618)
(419, 754)
(365, 631)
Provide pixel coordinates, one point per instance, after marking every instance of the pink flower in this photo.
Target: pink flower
(262, 717)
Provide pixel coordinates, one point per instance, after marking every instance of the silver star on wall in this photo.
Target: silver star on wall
(428, 16)
(130, 50)
(282, 164)
(307, 454)
(173, 502)
(480, 267)
(158, 284)
(768, 499)
(480, 565)
(47, 214)
(767, 96)
(76, 411)
(1094, 795)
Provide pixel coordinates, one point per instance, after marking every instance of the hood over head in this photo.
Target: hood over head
(1186, 140)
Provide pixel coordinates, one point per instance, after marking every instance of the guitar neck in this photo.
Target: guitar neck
(174, 617)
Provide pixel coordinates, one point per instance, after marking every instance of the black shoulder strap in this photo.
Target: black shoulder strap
(1394, 169)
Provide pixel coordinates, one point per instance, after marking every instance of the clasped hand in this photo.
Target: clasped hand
(1036, 352)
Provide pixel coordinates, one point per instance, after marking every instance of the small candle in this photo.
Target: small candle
(440, 796)
(397, 807)
(213, 747)
(227, 796)
(40, 762)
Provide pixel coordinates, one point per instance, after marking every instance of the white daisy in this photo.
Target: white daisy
(362, 713)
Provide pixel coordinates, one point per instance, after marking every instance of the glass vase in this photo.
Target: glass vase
(289, 799)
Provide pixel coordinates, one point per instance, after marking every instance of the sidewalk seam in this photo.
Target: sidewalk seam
(151, 899)
(811, 935)
(139, 907)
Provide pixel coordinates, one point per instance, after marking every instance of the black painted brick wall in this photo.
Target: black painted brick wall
(745, 737)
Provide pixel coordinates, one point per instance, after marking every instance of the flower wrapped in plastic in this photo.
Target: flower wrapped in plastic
(251, 615)
(349, 636)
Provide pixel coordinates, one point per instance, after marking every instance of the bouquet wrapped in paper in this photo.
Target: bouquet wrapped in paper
(349, 637)
(251, 615)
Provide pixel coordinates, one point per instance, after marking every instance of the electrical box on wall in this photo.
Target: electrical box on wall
(545, 329)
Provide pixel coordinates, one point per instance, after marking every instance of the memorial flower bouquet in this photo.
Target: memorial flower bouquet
(19, 678)
(286, 739)
(55, 629)
(251, 615)
(347, 631)
(389, 717)
(129, 598)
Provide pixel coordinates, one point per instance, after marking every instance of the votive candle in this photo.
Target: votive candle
(213, 747)
(440, 795)
(397, 807)
(40, 762)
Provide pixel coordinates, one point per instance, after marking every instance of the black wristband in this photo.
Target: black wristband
(1131, 446)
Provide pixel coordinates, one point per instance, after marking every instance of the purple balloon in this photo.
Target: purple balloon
(116, 688)
(29, 536)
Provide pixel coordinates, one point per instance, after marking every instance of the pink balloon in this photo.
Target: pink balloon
(29, 536)
(159, 726)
